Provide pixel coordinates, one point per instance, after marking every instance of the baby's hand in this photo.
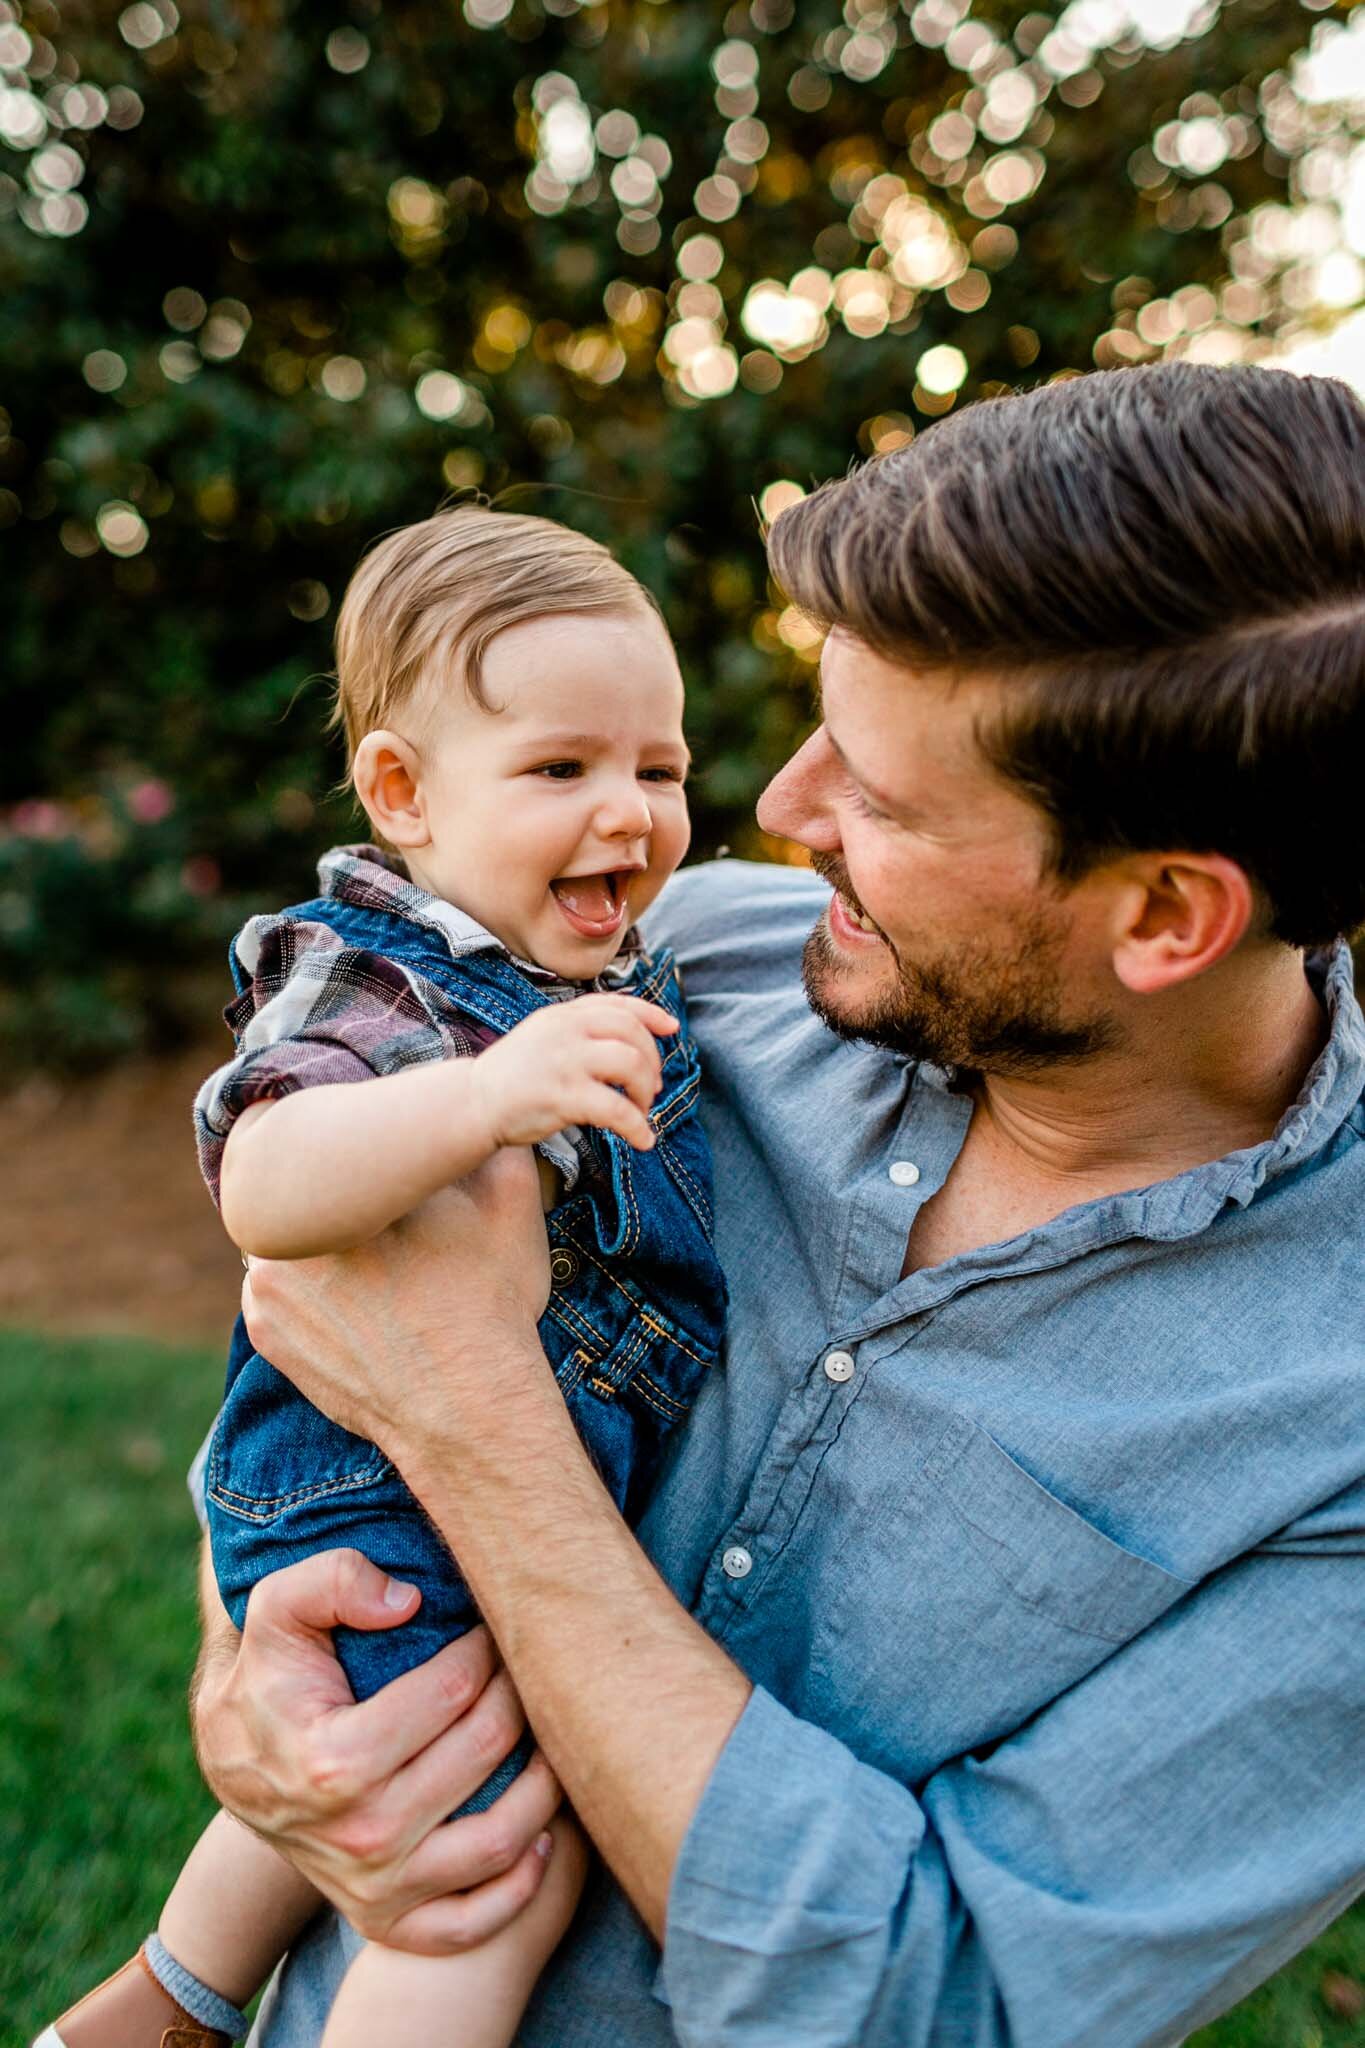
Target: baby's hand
(568, 1064)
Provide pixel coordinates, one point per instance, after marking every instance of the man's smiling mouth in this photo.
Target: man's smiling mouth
(832, 871)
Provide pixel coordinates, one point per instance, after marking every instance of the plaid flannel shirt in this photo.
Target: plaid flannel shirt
(314, 1010)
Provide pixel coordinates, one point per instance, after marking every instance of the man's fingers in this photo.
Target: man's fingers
(398, 1725)
(334, 1587)
(447, 1926)
(476, 1847)
(451, 1769)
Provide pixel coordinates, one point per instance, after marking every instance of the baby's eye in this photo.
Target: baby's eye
(561, 771)
(660, 775)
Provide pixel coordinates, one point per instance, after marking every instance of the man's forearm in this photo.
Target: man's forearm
(630, 1700)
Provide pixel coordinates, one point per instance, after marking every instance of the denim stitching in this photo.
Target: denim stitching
(668, 1333)
(691, 1191)
(635, 1302)
(664, 1405)
(683, 1172)
(572, 1319)
(242, 1503)
(670, 1336)
(626, 1360)
(569, 1376)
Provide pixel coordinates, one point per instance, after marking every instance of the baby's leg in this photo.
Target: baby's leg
(474, 2000)
(235, 1908)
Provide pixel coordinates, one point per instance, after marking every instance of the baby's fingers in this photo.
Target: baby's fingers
(627, 1065)
(609, 1009)
(661, 1023)
(612, 1111)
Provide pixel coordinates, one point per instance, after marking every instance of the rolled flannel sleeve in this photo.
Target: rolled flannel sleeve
(1125, 1867)
(311, 1011)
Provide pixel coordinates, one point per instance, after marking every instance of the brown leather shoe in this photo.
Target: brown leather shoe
(129, 2010)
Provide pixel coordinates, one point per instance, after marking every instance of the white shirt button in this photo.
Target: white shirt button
(903, 1173)
(839, 1367)
(737, 1563)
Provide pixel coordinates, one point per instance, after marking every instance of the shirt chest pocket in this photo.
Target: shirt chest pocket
(978, 1597)
(1054, 1562)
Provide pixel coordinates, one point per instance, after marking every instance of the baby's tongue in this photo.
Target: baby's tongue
(587, 896)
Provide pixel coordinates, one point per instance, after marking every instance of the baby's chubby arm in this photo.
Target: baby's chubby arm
(326, 1168)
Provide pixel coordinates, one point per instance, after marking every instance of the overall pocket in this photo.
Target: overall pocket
(273, 1452)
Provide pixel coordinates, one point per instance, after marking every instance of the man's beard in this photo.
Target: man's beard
(983, 1008)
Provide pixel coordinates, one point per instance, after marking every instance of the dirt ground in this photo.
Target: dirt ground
(104, 1222)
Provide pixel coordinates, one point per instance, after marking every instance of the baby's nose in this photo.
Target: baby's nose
(626, 813)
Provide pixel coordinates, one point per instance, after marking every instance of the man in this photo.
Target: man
(990, 1666)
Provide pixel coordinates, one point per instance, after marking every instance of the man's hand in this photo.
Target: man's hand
(355, 1796)
(404, 1338)
(592, 1061)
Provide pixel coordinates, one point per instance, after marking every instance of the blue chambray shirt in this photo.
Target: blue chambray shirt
(1047, 1563)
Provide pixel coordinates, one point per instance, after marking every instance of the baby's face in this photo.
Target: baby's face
(557, 816)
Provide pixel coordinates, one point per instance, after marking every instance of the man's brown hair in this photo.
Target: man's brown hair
(1166, 568)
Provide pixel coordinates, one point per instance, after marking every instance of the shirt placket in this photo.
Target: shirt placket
(869, 1300)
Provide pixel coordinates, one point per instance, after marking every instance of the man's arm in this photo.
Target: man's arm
(1119, 1871)
(630, 1700)
(1123, 1867)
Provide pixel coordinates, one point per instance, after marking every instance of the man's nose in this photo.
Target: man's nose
(796, 805)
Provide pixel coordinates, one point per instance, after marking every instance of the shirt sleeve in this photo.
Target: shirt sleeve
(1122, 1869)
(311, 1010)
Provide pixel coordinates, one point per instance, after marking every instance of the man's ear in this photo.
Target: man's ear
(388, 783)
(1180, 915)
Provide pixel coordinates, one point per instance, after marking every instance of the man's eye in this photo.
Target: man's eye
(561, 771)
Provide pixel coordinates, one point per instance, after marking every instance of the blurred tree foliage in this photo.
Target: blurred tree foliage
(276, 276)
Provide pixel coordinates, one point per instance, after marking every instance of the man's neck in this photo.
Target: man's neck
(1189, 1082)
(1205, 1071)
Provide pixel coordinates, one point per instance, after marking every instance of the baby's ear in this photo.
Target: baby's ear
(387, 781)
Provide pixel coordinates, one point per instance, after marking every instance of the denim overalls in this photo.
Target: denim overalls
(635, 1318)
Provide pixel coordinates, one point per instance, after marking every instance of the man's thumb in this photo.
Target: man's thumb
(335, 1589)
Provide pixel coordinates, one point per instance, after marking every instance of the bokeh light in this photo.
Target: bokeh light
(671, 265)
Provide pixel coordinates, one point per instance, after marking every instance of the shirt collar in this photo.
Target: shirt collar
(1331, 1090)
(370, 879)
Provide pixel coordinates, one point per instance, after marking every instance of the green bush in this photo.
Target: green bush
(275, 278)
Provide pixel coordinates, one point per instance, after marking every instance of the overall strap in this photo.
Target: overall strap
(482, 984)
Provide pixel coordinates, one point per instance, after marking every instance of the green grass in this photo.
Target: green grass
(99, 1798)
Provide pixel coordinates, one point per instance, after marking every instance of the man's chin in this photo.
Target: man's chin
(1011, 1021)
(848, 996)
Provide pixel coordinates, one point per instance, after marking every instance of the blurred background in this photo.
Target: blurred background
(277, 276)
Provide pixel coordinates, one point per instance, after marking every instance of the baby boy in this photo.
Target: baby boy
(513, 714)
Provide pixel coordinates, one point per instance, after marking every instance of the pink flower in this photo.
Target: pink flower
(39, 818)
(150, 801)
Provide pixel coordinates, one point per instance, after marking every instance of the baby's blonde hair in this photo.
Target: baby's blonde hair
(443, 589)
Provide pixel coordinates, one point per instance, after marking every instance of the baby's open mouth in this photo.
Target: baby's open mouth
(595, 905)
